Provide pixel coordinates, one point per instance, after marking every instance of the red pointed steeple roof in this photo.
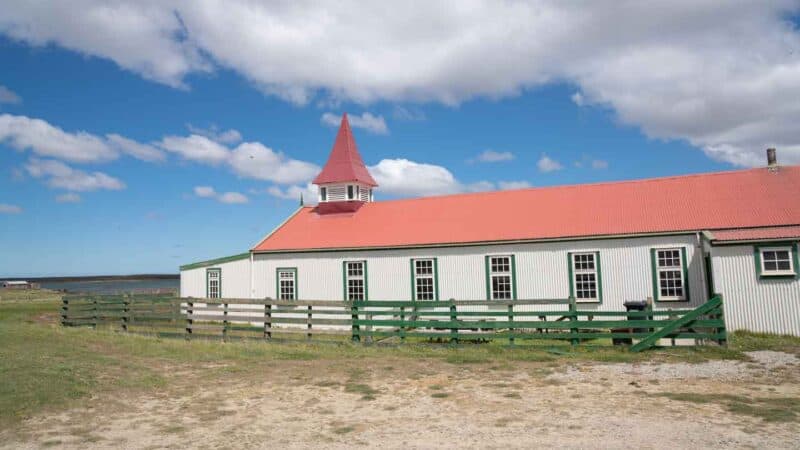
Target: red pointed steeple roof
(345, 163)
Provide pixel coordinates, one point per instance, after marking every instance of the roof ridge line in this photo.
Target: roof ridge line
(576, 185)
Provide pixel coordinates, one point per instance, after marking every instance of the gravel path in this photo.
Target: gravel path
(763, 363)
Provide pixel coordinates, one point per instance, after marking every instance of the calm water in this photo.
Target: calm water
(113, 287)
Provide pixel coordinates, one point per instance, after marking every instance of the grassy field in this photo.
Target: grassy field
(45, 368)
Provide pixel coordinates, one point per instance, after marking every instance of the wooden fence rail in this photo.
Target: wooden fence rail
(453, 321)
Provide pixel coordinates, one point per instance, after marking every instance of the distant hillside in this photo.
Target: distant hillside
(146, 276)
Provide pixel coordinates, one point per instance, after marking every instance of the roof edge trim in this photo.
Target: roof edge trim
(212, 262)
(478, 243)
(280, 225)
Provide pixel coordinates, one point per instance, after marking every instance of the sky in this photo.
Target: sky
(137, 136)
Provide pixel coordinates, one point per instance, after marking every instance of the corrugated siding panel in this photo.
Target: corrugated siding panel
(541, 271)
(235, 280)
(760, 305)
(193, 283)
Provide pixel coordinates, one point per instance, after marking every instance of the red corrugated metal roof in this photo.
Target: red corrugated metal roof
(345, 163)
(755, 234)
(737, 199)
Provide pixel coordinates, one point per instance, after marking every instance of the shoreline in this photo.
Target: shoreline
(96, 278)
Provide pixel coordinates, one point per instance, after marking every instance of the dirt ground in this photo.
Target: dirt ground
(402, 403)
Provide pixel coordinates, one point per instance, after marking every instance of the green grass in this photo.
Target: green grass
(768, 409)
(44, 366)
(745, 341)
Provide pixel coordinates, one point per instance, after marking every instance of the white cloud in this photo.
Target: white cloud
(254, 160)
(493, 156)
(5, 208)
(204, 191)
(249, 159)
(547, 164)
(69, 197)
(508, 185)
(9, 96)
(599, 164)
(402, 177)
(61, 176)
(578, 99)
(224, 197)
(366, 121)
(727, 81)
(309, 192)
(215, 134)
(408, 114)
(44, 139)
(588, 161)
(144, 152)
(232, 198)
(196, 148)
(23, 133)
(148, 38)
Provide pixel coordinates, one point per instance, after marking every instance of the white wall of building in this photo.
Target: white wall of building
(760, 305)
(541, 270)
(235, 280)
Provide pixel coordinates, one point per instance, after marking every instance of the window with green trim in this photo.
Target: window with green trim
(776, 261)
(287, 283)
(355, 275)
(501, 277)
(585, 270)
(213, 283)
(425, 283)
(669, 265)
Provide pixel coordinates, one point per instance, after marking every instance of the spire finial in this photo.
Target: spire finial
(301, 199)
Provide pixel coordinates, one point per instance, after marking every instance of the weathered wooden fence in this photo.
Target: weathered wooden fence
(401, 321)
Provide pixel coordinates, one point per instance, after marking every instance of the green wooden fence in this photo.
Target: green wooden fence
(395, 321)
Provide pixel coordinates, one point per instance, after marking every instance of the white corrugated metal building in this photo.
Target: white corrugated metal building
(675, 241)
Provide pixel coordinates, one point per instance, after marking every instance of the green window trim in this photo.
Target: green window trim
(344, 278)
(598, 270)
(488, 264)
(435, 277)
(654, 272)
(278, 282)
(795, 263)
(218, 270)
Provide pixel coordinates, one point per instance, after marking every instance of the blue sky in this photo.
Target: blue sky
(74, 201)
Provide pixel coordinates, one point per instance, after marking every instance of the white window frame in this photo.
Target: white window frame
(777, 273)
(425, 276)
(494, 274)
(279, 274)
(594, 271)
(682, 271)
(323, 194)
(348, 277)
(351, 190)
(209, 292)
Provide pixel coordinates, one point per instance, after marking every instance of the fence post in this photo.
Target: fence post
(94, 317)
(308, 323)
(189, 312)
(402, 324)
(511, 324)
(268, 319)
(721, 316)
(126, 306)
(573, 317)
(453, 326)
(356, 336)
(64, 310)
(225, 322)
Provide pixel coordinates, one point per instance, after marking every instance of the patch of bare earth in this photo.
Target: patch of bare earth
(396, 403)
